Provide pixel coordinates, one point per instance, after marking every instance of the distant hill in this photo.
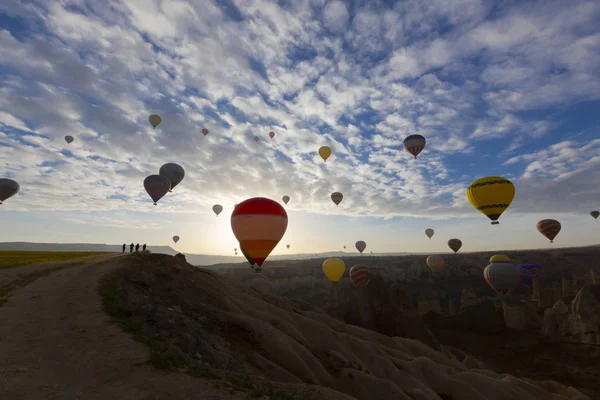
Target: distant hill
(194, 259)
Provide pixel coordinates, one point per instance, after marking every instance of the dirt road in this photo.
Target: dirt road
(57, 343)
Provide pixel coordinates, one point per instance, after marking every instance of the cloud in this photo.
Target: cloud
(358, 79)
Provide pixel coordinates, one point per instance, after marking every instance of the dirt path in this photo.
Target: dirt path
(57, 343)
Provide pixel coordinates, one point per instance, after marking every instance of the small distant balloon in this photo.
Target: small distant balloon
(8, 188)
(337, 197)
(288, 246)
(69, 139)
(217, 208)
(157, 186)
(256, 139)
(454, 244)
(549, 228)
(414, 144)
(205, 131)
(360, 275)
(595, 214)
(286, 199)
(334, 269)
(344, 246)
(435, 263)
(154, 120)
(429, 232)
(360, 246)
(174, 172)
(271, 135)
(325, 152)
(176, 239)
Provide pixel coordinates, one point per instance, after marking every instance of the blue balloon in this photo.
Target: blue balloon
(529, 272)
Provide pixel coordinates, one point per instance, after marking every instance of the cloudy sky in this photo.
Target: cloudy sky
(509, 88)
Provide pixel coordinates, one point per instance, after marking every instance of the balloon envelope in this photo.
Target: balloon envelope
(69, 139)
(360, 275)
(529, 272)
(360, 246)
(455, 244)
(288, 246)
(286, 199)
(325, 152)
(205, 131)
(174, 172)
(157, 186)
(259, 224)
(256, 138)
(414, 144)
(271, 135)
(337, 197)
(435, 263)
(217, 208)
(8, 188)
(491, 196)
(334, 269)
(502, 277)
(549, 228)
(176, 239)
(429, 232)
(154, 120)
(500, 258)
(595, 214)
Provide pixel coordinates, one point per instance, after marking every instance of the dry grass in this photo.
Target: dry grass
(19, 258)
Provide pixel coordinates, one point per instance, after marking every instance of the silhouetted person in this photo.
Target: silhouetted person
(137, 247)
(124, 245)
(131, 248)
(144, 247)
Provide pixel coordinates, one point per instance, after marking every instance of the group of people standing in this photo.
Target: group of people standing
(137, 247)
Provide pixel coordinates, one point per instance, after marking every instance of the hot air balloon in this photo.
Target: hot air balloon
(288, 246)
(256, 138)
(529, 272)
(174, 172)
(259, 224)
(414, 144)
(491, 196)
(360, 275)
(217, 208)
(360, 246)
(549, 228)
(8, 188)
(205, 131)
(500, 258)
(157, 186)
(176, 239)
(455, 244)
(344, 246)
(337, 197)
(435, 263)
(429, 232)
(271, 135)
(286, 199)
(595, 214)
(502, 277)
(69, 139)
(325, 152)
(334, 269)
(155, 120)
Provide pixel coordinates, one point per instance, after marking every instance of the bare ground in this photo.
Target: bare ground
(57, 343)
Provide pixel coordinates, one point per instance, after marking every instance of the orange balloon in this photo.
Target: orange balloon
(259, 224)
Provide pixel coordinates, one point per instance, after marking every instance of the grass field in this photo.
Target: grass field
(16, 258)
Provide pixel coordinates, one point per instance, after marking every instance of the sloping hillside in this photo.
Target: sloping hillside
(207, 322)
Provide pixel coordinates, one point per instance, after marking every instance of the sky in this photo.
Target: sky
(505, 88)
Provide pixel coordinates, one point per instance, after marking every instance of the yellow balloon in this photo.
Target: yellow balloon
(435, 263)
(491, 196)
(334, 269)
(500, 258)
(325, 152)
(154, 120)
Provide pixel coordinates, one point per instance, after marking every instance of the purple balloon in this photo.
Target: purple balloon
(157, 186)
